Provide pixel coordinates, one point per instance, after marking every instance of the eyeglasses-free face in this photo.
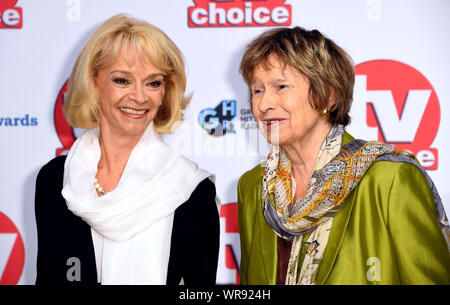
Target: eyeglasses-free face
(280, 102)
(130, 92)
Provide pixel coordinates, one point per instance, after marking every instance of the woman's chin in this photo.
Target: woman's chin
(273, 136)
(132, 130)
(137, 131)
(274, 140)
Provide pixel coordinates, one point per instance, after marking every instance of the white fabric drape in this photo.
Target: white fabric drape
(136, 218)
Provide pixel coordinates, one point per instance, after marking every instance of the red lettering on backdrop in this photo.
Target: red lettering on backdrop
(63, 129)
(239, 13)
(14, 263)
(405, 91)
(230, 213)
(10, 15)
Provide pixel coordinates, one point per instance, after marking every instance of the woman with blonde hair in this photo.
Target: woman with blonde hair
(123, 207)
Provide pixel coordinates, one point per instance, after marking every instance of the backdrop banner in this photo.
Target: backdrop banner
(401, 56)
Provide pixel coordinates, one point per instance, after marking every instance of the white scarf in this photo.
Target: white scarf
(136, 218)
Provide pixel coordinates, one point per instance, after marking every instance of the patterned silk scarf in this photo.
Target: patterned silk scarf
(337, 171)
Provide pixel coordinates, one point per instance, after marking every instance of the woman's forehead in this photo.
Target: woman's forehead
(130, 56)
(275, 68)
(133, 54)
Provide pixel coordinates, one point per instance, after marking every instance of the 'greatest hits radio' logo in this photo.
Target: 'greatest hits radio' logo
(395, 103)
(217, 121)
(232, 13)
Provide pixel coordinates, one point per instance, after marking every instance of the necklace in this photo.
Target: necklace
(98, 187)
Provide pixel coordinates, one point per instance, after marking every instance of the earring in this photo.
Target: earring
(324, 112)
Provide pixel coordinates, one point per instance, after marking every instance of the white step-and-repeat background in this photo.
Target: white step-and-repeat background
(400, 49)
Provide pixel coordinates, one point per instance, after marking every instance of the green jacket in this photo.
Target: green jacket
(385, 232)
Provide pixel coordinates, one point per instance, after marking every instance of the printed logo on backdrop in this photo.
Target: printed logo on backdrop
(239, 13)
(66, 133)
(10, 15)
(399, 106)
(217, 121)
(12, 252)
(230, 246)
(247, 119)
(25, 121)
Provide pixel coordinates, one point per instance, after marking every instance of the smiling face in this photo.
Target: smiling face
(281, 104)
(130, 91)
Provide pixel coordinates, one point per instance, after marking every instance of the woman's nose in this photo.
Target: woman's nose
(266, 102)
(139, 94)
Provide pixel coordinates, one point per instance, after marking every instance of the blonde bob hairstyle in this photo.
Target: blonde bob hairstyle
(327, 66)
(119, 33)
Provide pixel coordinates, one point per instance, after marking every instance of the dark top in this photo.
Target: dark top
(61, 235)
(284, 252)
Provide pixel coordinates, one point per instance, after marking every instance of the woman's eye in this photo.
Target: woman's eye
(154, 84)
(121, 81)
(256, 91)
(282, 86)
